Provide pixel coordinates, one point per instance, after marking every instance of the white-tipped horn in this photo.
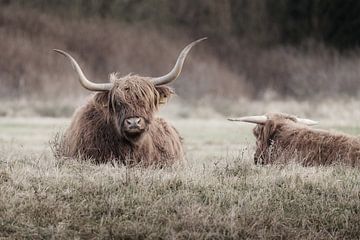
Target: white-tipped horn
(306, 121)
(83, 80)
(175, 72)
(251, 119)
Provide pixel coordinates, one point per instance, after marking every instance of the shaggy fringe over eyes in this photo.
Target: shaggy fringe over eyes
(131, 96)
(136, 95)
(264, 133)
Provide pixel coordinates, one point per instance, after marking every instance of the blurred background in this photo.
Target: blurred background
(260, 55)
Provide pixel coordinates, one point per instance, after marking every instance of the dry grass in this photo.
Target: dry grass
(219, 194)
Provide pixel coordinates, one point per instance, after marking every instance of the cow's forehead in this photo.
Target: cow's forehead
(134, 84)
(129, 79)
(136, 94)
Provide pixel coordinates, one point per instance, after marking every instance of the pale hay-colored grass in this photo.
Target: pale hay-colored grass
(218, 194)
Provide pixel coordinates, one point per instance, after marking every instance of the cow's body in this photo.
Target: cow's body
(90, 137)
(283, 140)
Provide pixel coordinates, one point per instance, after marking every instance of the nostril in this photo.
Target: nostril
(138, 121)
(128, 121)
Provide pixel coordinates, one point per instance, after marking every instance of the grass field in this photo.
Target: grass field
(218, 194)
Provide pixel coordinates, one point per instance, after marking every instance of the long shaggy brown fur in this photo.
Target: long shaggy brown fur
(281, 139)
(96, 129)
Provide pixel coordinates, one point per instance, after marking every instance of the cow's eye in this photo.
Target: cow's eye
(117, 105)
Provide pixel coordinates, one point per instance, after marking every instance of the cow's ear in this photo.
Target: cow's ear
(164, 93)
(102, 100)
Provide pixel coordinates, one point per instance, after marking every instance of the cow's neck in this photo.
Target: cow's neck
(143, 142)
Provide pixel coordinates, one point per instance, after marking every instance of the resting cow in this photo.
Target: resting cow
(281, 138)
(118, 122)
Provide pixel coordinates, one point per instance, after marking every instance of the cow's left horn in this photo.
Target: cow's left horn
(251, 119)
(83, 80)
(175, 72)
(306, 121)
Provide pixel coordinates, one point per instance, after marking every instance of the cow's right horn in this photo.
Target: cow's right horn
(251, 119)
(83, 80)
(175, 72)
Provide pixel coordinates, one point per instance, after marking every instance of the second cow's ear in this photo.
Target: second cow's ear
(164, 93)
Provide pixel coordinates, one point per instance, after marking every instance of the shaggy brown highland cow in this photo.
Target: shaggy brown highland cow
(281, 138)
(118, 122)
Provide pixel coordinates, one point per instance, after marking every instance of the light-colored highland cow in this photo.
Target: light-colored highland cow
(281, 138)
(118, 122)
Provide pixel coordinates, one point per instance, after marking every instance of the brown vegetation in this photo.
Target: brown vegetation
(29, 70)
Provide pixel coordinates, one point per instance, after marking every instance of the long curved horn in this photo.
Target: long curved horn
(251, 119)
(306, 121)
(83, 80)
(175, 72)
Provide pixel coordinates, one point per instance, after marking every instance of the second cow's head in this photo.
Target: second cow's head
(129, 102)
(268, 129)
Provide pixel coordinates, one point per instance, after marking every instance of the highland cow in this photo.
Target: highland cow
(281, 138)
(118, 122)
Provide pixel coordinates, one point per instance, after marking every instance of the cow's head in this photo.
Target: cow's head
(130, 102)
(266, 129)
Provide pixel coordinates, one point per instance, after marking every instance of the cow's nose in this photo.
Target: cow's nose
(133, 123)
